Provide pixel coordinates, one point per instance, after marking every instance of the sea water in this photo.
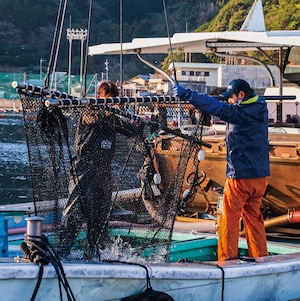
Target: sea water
(15, 182)
(15, 185)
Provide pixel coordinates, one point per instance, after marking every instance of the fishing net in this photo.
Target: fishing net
(98, 180)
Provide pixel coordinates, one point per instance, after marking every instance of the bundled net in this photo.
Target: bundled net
(100, 178)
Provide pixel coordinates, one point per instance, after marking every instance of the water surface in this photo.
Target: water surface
(15, 185)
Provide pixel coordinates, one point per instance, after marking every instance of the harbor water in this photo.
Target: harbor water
(15, 181)
(15, 184)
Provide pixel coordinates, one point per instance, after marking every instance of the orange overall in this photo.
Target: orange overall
(242, 197)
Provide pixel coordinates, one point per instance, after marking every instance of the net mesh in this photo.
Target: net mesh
(98, 180)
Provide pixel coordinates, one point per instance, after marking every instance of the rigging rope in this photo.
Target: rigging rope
(83, 88)
(121, 43)
(169, 37)
(40, 251)
(56, 41)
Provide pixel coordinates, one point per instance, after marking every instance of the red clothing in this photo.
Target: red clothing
(242, 197)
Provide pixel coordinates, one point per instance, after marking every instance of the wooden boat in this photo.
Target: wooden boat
(282, 194)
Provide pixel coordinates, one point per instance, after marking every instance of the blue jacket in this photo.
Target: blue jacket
(247, 143)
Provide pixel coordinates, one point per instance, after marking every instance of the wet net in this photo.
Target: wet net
(106, 183)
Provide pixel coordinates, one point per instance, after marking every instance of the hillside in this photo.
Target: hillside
(279, 15)
(27, 26)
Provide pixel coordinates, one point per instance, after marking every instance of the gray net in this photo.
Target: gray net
(100, 175)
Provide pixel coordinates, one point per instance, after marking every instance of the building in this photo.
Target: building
(143, 85)
(202, 77)
(219, 75)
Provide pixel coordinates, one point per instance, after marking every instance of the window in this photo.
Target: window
(202, 73)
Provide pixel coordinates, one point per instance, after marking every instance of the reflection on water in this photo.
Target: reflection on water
(15, 182)
(14, 152)
(15, 185)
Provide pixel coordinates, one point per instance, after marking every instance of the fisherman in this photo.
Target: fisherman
(247, 166)
(90, 186)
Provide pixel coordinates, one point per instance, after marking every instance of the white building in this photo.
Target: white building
(219, 75)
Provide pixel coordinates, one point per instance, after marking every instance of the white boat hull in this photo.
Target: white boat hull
(270, 278)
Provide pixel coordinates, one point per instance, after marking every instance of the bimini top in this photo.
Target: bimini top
(202, 42)
(251, 36)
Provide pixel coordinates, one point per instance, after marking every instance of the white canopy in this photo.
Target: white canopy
(251, 37)
(201, 42)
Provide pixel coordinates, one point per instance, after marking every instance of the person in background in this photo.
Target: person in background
(90, 187)
(247, 165)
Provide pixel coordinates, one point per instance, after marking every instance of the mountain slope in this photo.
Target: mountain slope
(27, 26)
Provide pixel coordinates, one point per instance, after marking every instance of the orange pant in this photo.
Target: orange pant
(242, 197)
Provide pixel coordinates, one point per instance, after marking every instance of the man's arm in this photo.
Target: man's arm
(203, 102)
(128, 127)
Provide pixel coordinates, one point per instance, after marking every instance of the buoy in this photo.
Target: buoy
(186, 193)
(157, 178)
(201, 155)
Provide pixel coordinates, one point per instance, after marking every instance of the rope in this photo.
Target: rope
(46, 84)
(83, 88)
(58, 43)
(56, 38)
(40, 277)
(223, 278)
(194, 176)
(121, 43)
(168, 32)
(211, 264)
(39, 250)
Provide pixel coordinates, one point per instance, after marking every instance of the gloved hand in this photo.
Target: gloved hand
(180, 91)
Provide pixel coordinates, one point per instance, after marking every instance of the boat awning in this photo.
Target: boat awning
(201, 42)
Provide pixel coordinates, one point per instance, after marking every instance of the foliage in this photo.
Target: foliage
(279, 15)
(283, 15)
(27, 26)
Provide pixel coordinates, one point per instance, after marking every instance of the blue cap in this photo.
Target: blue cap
(235, 86)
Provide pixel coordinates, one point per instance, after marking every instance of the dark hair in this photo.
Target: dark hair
(111, 90)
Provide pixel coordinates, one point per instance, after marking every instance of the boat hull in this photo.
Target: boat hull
(183, 281)
(282, 194)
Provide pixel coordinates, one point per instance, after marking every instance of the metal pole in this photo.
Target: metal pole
(81, 62)
(41, 67)
(279, 103)
(70, 64)
(96, 88)
(76, 34)
(41, 62)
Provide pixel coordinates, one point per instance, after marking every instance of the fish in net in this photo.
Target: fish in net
(97, 182)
